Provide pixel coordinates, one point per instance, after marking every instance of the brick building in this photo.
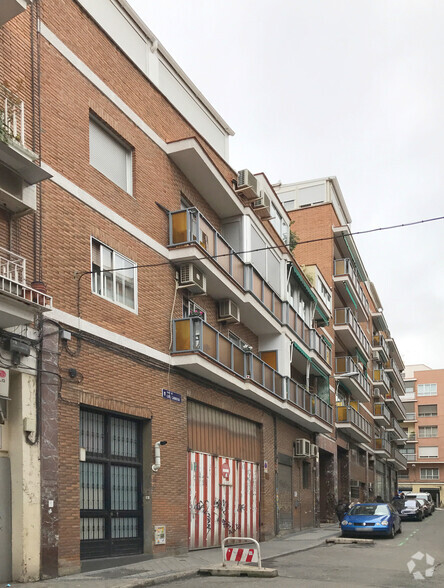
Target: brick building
(367, 366)
(159, 390)
(423, 427)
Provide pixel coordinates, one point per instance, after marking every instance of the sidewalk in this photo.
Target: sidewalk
(156, 571)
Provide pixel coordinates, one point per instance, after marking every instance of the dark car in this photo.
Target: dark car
(424, 496)
(427, 506)
(412, 509)
(371, 519)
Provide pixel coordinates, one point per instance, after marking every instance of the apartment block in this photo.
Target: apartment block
(423, 427)
(366, 379)
(166, 376)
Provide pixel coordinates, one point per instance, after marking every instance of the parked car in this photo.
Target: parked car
(412, 509)
(427, 506)
(424, 496)
(371, 519)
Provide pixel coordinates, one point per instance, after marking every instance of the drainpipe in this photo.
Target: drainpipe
(156, 464)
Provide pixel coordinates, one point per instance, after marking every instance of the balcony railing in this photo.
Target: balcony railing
(391, 365)
(380, 410)
(399, 457)
(410, 416)
(380, 376)
(382, 445)
(12, 116)
(379, 341)
(398, 429)
(195, 335)
(347, 365)
(345, 267)
(347, 414)
(411, 437)
(13, 280)
(189, 226)
(409, 456)
(344, 316)
(392, 395)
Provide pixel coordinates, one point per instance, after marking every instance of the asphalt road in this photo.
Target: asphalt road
(383, 564)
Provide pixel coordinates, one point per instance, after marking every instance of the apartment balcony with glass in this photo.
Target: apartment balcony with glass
(201, 349)
(411, 438)
(348, 372)
(394, 403)
(346, 280)
(18, 172)
(409, 453)
(379, 346)
(381, 414)
(393, 372)
(382, 447)
(193, 239)
(350, 422)
(347, 327)
(19, 302)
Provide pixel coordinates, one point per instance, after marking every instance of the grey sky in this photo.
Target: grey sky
(351, 88)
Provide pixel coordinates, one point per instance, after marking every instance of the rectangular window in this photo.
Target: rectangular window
(428, 451)
(190, 309)
(113, 276)
(427, 390)
(427, 410)
(431, 431)
(429, 474)
(110, 155)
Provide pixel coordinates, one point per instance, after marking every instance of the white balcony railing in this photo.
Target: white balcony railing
(12, 116)
(12, 266)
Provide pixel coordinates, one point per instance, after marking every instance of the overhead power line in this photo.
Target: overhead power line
(267, 248)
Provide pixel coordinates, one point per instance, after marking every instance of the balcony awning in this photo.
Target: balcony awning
(319, 371)
(20, 160)
(301, 281)
(301, 351)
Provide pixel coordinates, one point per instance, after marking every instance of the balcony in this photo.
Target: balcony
(394, 403)
(410, 416)
(398, 459)
(202, 350)
(397, 433)
(347, 283)
(381, 414)
(347, 371)
(411, 456)
(19, 302)
(411, 438)
(353, 424)
(349, 330)
(381, 381)
(380, 346)
(392, 370)
(18, 173)
(194, 239)
(382, 447)
(11, 8)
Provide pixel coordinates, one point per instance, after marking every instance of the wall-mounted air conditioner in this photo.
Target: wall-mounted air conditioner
(301, 448)
(228, 311)
(192, 278)
(314, 450)
(262, 206)
(247, 184)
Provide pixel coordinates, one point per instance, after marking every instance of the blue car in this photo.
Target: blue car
(370, 519)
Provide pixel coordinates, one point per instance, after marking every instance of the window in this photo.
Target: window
(305, 474)
(428, 451)
(119, 286)
(110, 155)
(190, 308)
(288, 204)
(427, 410)
(431, 431)
(427, 390)
(239, 342)
(429, 474)
(403, 475)
(265, 261)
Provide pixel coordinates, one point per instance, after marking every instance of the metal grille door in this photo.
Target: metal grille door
(285, 507)
(223, 499)
(110, 486)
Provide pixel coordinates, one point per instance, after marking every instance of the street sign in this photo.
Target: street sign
(174, 396)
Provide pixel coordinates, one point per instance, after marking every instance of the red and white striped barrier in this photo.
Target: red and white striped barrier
(238, 554)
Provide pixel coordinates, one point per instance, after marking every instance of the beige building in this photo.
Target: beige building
(424, 427)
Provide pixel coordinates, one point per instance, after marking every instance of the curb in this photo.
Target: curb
(293, 551)
(141, 583)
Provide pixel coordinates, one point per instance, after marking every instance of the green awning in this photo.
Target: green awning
(353, 258)
(361, 358)
(302, 351)
(319, 371)
(326, 341)
(351, 296)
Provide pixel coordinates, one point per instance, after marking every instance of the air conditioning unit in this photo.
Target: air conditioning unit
(314, 450)
(228, 311)
(262, 206)
(247, 184)
(301, 448)
(192, 278)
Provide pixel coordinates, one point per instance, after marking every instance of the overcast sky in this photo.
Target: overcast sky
(350, 88)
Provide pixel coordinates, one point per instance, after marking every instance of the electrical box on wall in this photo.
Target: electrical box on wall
(159, 535)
